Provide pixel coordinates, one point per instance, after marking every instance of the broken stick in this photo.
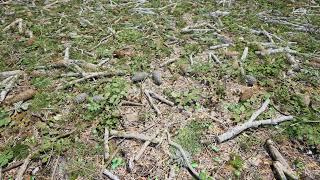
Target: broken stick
(160, 98)
(106, 144)
(238, 129)
(259, 111)
(110, 175)
(146, 92)
(23, 168)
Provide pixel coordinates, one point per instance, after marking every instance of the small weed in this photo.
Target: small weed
(188, 136)
(186, 98)
(248, 142)
(116, 162)
(41, 82)
(4, 118)
(237, 163)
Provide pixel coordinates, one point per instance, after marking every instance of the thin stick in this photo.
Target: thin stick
(23, 168)
(214, 57)
(144, 146)
(110, 175)
(89, 76)
(185, 158)
(106, 145)
(260, 110)
(12, 166)
(244, 54)
(55, 168)
(134, 135)
(151, 103)
(130, 103)
(238, 129)
(168, 62)
(160, 98)
(219, 46)
(15, 22)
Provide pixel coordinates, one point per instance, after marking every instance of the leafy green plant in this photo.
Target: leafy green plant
(186, 98)
(237, 163)
(6, 157)
(116, 162)
(4, 118)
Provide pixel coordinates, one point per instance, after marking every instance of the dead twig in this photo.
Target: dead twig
(130, 103)
(12, 166)
(168, 62)
(23, 168)
(146, 92)
(106, 144)
(260, 110)
(160, 98)
(134, 135)
(214, 57)
(110, 175)
(238, 129)
(280, 165)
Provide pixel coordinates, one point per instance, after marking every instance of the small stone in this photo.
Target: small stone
(139, 76)
(296, 67)
(156, 75)
(80, 98)
(97, 98)
(290, 72)
(250, 80)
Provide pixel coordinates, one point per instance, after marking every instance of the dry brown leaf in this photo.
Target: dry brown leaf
(246, 94)
(126, 52)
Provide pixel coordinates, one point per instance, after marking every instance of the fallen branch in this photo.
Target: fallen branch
(243, 58)
(185, 158)
(238, 129)
(134, 135)
(144, 146)
(151, 103)
(12, 166)
(259, 111)
(160, 98)
(89, 76)
(106, 144)
(280, 165)
(275, 51)
(23, 168)
(17, 22)
(219, 46)
(110, 175)
(129, 103)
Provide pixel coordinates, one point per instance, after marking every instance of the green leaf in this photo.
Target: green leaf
(116, 162)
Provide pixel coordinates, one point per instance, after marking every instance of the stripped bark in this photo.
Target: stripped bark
(238, 129)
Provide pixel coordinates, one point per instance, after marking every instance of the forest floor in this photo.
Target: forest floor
(76, 77)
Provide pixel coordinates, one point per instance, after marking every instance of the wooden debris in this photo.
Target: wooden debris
(106, 144)
(130, 103)
(17, 22)
(144, 146)
(86, 76)
(275, 51)
(238, 129)
(12, 166)
(146, 92)
(259, 111)
(160, 98)
(134, 135)
(110, 175)
(219, 46)
(282, 168)
(22, 96)
(214, 57)
(23, 168)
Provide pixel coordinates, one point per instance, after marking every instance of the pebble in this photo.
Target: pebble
(296, 67)
(80, 98)
(139, 76)
(250, 80)
(156, 75)
(97, 98)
